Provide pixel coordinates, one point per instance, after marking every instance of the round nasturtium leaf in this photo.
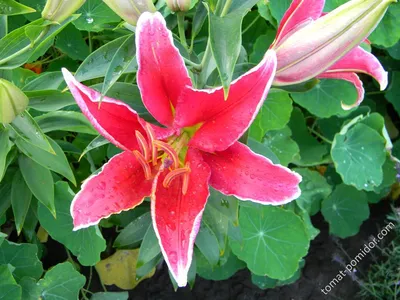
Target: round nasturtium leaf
(273, 241)
(325, 99)
(359, 155)
(345, 210)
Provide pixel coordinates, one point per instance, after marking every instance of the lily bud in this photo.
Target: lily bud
(59, 10)
(316, 45)
(130, 10)
(179, 5)
(12, 101)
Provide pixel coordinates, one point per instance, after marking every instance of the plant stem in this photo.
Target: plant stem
(320, 136)
(192, 64)
(181, 27)
(90, 42)
(26, 48)
(226, 8)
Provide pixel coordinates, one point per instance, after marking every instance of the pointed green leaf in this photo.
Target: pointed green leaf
(5, 147)
(86, 244)
(21, 197)
(134, 232)
(149, 249)
(12, 8)
(49, 100)
(208, 244)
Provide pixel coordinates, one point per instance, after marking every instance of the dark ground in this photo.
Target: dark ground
(322, 265)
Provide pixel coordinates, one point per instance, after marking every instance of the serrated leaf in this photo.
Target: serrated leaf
(27, 129)
(274, 114)
(39, 180)
(86, 244)
(326, 98)
(23, 257)
(93, 15)
(21, 197)
(273, 241)
(56, 162)
(359, 155)
(314, 189)
(345, 210)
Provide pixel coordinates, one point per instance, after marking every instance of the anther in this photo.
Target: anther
(144, 164)
(169, 150)
(143, 145)
(152, 137)
(185, 184)
(175, 174)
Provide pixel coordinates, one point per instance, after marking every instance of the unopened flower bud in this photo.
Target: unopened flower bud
(12, 101)
(130, 10)
(59, 10)
(179, 5)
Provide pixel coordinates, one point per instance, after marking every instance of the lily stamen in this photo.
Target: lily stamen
(169, 150)
(146, 150)
(175, 174)
(152, 137)
(145, 165)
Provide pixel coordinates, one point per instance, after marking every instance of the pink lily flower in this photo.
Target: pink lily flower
(175, 164)
(311, 44)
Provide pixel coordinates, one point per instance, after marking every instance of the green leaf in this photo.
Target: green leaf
(16, 48)
(9, 289)
(97, 142)
(325, 99)
(94, 14)
(345, 210)
(56, 162)
(274, 114)
(314, 189)
(45, 81)
(61, 282)
(225, 40)
(359, 155)
(21, 197)
(66, 121)
(332, 4)
(261, 46)
(220, 272)
(120, 63)
(208, 244)
(389, 177)
(311, 151)
(49, 100)
(263, 150)
(393, 94)
(134, 232)
(198, 20)
(39, 181)
(31, 221)
(389, 24)
(5, 147)
(110, 296)
(12, 8)
(278, 8)
(27, 129)
(226, 205)
(273, 241)
(86, 244)
(23, 257)
(149, 248)
(282, 145)
(98, 62)
(30, 289)
(71, 42)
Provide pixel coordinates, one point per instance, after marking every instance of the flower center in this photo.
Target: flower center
(171, 154)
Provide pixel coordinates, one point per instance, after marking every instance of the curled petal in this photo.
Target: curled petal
(113, 119)
(121, 185)
(162, 74)
(299, 12)
(353, 79)
(224, 121)
(360, 61)
(177, 215)
(248, 176)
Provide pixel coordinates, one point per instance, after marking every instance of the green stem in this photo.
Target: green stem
(181, 28)
(226, 8)
(192, 64)
(320, 136)
(25, 49)
(90, 42)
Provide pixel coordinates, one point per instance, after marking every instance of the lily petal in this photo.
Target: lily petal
(120, 186)
(114, 120)
(299, 13)
(162, 74)
(353, 79)
(240, 172)
(222, 121)
(360, 61)
(177, 217)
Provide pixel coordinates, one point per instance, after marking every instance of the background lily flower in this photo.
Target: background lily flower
(312, 44)
(130, 10)
(175, 164)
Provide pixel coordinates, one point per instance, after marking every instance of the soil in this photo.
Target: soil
(324, 261)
